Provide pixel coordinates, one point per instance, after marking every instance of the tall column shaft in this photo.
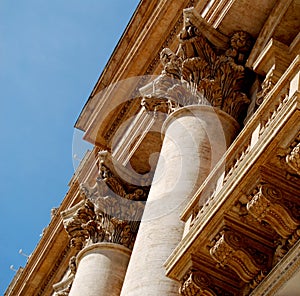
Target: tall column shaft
(101, 269)
(195, 139)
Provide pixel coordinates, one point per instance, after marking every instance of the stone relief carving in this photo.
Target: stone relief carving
(232, 250)
(108, 212)
(293, 159)
(65, 291)
(199, 73)
(188, 287)
(265, 206)
(266, 87)
(196, 283)
(109, 218)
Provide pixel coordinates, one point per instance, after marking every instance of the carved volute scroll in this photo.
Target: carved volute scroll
(108, 212)
(265, 206)
(196, 283)
(232, 250)
(188, 287)
(200, 73)
(205, 282)
(81, 214)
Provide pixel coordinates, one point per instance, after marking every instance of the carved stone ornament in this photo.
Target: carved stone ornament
(266, 87)
(264, 206)
(105, 215)
(63, 288)
(199, 73)
(293, 159)
(189, 288)
(195, 284)
(230, 250)
(64, 292)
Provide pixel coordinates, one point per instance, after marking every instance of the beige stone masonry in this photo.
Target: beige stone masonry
(101, 270)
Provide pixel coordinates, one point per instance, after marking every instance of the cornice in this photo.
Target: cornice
(268, 29)
(132, 57)
(141, 27)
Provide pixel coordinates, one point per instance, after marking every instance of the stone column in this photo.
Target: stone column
(195, 139)
(101, 268)
(102, 229)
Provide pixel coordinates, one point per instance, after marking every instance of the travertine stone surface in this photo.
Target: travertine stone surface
(101, 268)
(194, 141)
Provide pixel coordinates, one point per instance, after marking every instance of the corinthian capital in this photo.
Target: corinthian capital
(201, 72)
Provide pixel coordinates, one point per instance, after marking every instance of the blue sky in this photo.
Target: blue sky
(51, 55)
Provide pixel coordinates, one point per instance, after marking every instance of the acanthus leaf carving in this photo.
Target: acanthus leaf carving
(109, 212)
(202, 283)
(199, 73)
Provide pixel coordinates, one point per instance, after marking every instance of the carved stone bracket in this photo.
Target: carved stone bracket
(271, 64)
(232, 250)
(188, 287)
(203, 282)
(293, 159)
(196, 283)
(264, 206)
(121, 181)
(266, 87)
(201, 73)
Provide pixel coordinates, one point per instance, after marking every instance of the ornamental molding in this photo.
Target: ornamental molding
(53, 271)
(188, 287)
(200, 72)
(282, 272)
(196, 283)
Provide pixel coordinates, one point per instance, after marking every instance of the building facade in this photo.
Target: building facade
(192, 187)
